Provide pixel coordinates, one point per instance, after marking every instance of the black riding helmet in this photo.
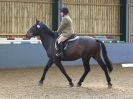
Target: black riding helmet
(64, 10)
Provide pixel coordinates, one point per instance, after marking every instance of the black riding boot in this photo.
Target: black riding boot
(60, 53)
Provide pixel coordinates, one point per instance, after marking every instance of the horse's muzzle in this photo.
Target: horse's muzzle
(29, 35)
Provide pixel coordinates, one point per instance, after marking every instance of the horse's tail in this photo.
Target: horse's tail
(105, 57)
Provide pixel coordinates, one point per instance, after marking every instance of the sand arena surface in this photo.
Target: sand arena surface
(23, 84)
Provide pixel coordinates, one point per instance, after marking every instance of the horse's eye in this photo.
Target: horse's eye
(38, 26)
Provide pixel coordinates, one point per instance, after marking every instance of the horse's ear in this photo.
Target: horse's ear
(37, 21)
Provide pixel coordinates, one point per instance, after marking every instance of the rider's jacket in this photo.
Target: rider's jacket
(66, 27)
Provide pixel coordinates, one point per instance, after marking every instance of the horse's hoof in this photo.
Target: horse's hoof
(78, 85)
(71, 84)
(40, 83)
(109, 85)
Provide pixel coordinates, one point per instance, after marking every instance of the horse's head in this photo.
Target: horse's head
(34, 30)
(38, 28)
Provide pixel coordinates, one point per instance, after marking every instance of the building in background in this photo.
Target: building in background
(104, 19)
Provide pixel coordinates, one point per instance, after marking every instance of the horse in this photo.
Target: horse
(84, 47)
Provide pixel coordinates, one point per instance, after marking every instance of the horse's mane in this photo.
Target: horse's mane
(49, 31)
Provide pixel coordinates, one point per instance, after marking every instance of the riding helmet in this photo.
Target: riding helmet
(64, 10)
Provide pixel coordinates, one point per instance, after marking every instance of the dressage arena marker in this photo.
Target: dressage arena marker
(127, 65)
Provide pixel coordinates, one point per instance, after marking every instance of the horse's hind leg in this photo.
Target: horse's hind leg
(86, 70)
(104, 67)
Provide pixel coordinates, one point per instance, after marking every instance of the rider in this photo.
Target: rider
(65, 29)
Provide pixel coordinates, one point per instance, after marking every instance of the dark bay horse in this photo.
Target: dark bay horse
(85, 47)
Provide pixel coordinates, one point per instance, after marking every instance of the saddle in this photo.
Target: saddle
(66, 42)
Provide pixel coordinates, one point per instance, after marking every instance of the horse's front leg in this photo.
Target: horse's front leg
(60, 66)
(49, 64)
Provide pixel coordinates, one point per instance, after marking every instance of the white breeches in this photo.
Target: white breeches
(61, 38)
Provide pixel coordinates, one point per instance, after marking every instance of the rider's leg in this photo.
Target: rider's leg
(60, 50)
(61, 39)
(60, 53)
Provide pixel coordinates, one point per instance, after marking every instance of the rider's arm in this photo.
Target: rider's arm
(64, 22)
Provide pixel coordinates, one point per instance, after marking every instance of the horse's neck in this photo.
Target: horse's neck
(48, 42)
